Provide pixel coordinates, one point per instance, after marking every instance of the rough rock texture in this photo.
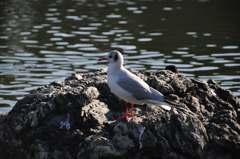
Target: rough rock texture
(77, 119)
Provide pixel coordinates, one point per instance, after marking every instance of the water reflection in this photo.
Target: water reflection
(43, 41)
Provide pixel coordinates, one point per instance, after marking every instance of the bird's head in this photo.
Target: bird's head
(112, 57)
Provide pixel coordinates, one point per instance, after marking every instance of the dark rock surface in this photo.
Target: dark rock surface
(77, 119)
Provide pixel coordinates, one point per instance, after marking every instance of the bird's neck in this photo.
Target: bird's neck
(114, 68)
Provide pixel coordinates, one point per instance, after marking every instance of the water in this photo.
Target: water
(44, 40)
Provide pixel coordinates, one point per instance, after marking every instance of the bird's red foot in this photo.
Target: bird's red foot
(125, 116)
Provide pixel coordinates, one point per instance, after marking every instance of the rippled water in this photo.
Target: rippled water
(44, 40)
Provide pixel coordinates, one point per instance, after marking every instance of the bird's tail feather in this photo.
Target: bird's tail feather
(162, 104)
(165, 106)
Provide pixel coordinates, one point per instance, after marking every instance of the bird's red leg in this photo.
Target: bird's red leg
(126, 111)
(126, 115)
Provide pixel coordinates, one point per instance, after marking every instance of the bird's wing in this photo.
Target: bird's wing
(137, 87)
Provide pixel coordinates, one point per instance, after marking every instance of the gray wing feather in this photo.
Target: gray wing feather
(132, 84)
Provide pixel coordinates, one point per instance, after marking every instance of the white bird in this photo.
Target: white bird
(128, 86)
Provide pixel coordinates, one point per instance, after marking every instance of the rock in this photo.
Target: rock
(77, 118)
(95, 113)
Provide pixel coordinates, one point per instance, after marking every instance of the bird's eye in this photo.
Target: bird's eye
(110, 56)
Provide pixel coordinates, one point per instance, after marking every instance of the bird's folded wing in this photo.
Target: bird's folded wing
(137, 87)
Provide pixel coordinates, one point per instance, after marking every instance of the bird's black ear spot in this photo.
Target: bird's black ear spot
(116, 57)
(111, 54)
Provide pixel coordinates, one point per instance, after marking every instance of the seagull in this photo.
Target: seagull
(128, 86)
